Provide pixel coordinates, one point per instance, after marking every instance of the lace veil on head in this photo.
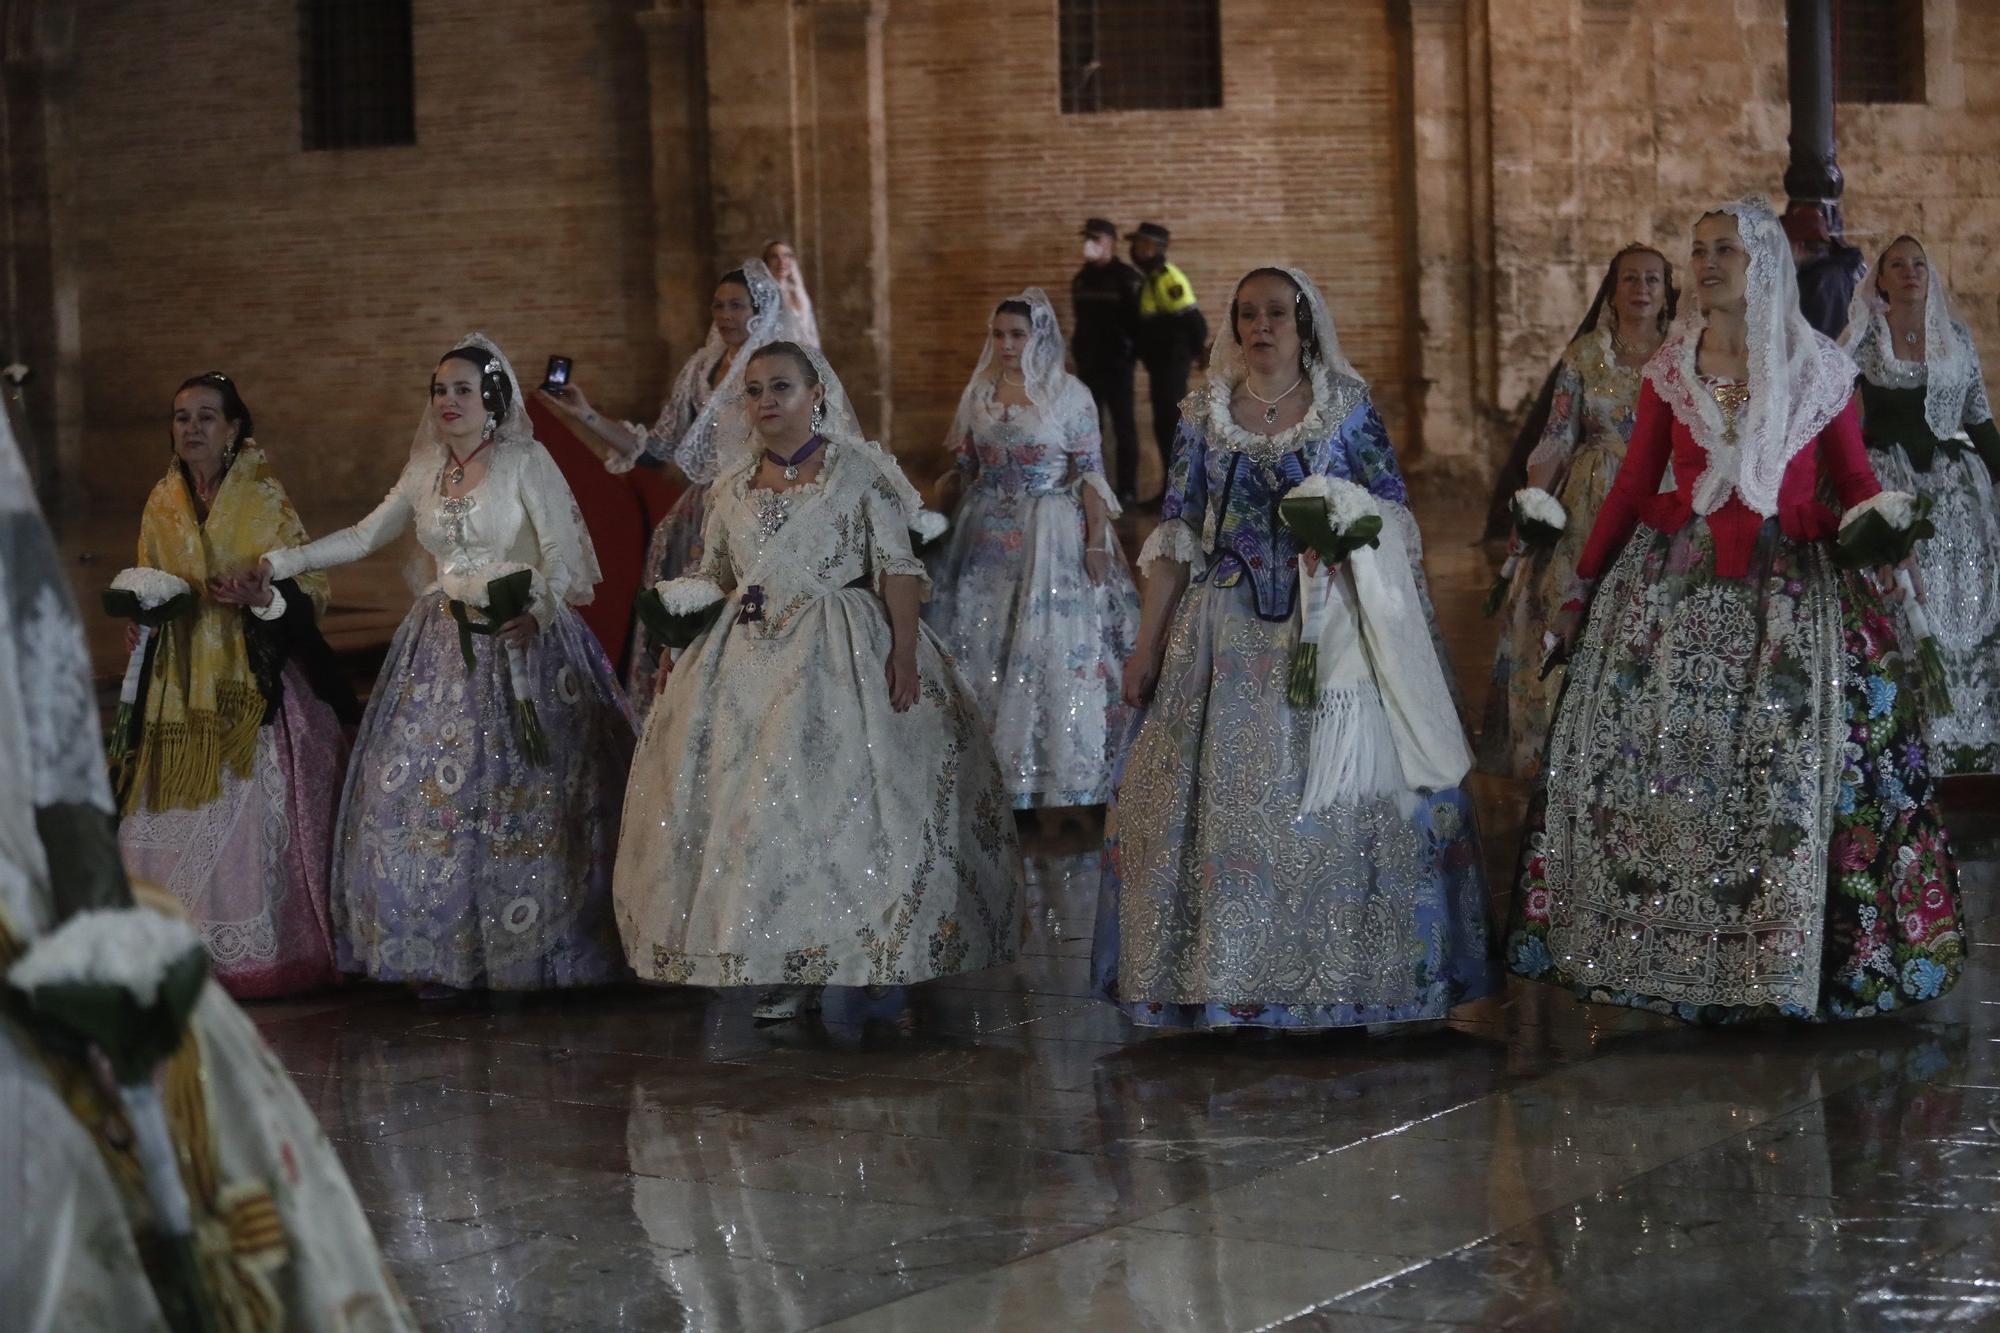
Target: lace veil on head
(1333, 377)
(1799, 379)
(706, 449)
(1948, 363)
(572, 571)
(839, 425)
(1052, 389)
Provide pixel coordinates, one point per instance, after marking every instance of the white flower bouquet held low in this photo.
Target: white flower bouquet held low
(1883, 530)
(929, 528)
(150, 599)
(1539, 523)
(123, 983)
(503, 592)
(1333, 518)
(676, 612)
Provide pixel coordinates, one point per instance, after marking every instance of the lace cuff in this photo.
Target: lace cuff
(1173, 540)
(618, 464)
(1097, 482)
(909, 565)
(275, 611)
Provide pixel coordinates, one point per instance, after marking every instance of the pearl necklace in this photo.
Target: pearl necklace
(1271, 404)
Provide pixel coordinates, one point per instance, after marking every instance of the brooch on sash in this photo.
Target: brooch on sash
(751, 609)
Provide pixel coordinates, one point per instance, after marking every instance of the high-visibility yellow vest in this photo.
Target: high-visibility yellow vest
(1167, 292)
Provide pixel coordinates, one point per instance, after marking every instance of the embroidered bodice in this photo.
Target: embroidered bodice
(521, 512)
(1593, 405)
(1026, 449)
(846, 526)
(1660, 437)
(1226, 482)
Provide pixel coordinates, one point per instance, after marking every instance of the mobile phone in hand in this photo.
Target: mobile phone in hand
(556, 379)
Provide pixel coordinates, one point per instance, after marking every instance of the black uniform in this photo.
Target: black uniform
(1106, 300)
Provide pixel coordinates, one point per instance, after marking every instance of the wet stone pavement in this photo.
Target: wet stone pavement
(1000, 1151)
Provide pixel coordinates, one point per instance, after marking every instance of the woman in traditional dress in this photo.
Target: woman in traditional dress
(1032, 594)
(246, 719)
(783, 262)
(815, 801)
(1588, 422)
(746, 312)
(1237, 891)
(459, 863)
(281, 1240)
(1738, 813)
(1929, 429)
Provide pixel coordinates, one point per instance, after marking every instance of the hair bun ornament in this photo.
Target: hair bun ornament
(493, 365)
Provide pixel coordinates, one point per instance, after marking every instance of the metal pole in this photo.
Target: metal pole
(1813, 175)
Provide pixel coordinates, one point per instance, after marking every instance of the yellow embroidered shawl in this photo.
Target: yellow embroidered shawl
(202, 704)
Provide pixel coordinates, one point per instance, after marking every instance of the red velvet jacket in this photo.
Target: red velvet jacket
(1657, 434)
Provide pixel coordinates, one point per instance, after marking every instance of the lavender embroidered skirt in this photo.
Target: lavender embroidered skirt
(457, 861)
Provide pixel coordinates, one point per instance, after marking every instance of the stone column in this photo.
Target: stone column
(684, 251)
(843, 221)
(1813, 174)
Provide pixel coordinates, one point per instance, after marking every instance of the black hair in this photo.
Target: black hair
(786, 348)
(233, 409)
(741, 279)
(1301, 313)
(1021, 308)
(496, 391)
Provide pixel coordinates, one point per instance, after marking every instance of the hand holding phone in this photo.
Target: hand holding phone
(555, 380)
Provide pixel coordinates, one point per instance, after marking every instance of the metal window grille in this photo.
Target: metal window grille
(1140, 55)
(356, 74)
(1878, 51)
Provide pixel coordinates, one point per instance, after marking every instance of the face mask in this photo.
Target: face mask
(1096, 248)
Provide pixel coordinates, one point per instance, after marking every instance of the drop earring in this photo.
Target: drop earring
(492, 423)
(818, 416)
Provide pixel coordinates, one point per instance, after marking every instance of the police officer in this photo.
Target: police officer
(1105, 295)
(1172, 332)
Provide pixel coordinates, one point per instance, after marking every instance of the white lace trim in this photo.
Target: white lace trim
(1173, 540)
(1333, 397)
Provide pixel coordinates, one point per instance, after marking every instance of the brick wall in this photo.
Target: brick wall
(329, 282)
(989, 183)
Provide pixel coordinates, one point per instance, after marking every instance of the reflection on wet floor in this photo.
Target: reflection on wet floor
(1000, 1151)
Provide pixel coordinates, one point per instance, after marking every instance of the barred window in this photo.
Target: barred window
(1878, 51)
(356, 74)
(1140, 55)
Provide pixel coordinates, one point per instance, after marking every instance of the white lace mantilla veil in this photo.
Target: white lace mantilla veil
(1949, 368)
(1799, 379)
(839, 424)
(50, 751)
(706, 451)
(1058, 395)
(1336, 384)
(572, 573)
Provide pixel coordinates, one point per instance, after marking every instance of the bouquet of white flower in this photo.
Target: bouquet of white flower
(124, 982)
(1334, 518)
(149, 598)
(1883, 530)
(1539, 522)
(503, 592)
(676, 612)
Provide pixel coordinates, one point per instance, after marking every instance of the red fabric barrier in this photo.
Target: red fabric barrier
(620, 512)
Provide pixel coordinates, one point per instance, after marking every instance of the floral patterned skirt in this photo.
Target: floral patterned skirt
(1042, 646)
(250, 867)
(457, 861)
(673, 550)
(1738, 815)
(1222, 906)
(785, 825)
(1519, 701)
(1961, 573)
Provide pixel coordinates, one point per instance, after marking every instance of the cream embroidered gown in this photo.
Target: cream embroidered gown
(783, 824)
